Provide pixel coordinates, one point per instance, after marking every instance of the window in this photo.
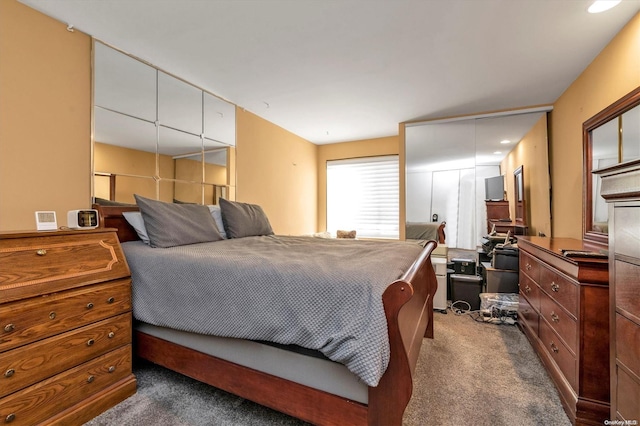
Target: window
(363, 194)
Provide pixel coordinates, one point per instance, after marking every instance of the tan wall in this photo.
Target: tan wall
(120, 160)
(531, 153)
(191, 170)
(277, 170)
(614, 73)
(339, 151)
(45, 104)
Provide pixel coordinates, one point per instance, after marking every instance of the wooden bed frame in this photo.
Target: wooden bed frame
(441, 234)
(408, 304)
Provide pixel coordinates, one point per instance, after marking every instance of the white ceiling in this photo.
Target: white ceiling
(340, 70)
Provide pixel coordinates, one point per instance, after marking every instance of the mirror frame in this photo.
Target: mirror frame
(519, 196)
(619, 107)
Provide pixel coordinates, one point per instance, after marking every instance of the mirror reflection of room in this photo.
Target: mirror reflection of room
(156, 135)
(462, 172)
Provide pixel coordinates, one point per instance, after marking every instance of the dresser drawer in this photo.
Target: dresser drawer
(527, 314)
(530, 266)
(563, 358)
(627, 287)
(32, 363)
(560, 321)
(628, 395)
(531, 290)
(562, 289)
(627, 343)
(26, 321)
(28, 266)
(38, 402)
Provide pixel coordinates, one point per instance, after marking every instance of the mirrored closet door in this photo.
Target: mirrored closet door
(448, 161)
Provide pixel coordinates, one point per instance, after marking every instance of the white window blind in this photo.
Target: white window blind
(363, 194)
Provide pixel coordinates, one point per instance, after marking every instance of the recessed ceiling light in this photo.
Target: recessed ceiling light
(602, 5)
(497, 152)
(505, 141)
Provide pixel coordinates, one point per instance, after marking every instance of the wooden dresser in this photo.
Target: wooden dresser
(564, 307)
(497, 210)
(621, 188)
(65, 326)
(497, 213)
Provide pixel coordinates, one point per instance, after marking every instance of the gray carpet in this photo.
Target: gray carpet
(471, 373)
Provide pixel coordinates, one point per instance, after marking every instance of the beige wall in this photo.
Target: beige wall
(531, 153)
(191, 170)
(125, 161)
(614, 73)
(277, 170)
(338, 151)
(120, 160)
(45, 104)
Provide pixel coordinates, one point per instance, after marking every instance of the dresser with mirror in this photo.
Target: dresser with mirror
(612, 216)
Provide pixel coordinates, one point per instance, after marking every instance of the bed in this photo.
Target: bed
(282, 376)
(425, 231)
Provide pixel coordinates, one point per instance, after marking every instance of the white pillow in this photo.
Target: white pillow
(217, 218)
(135, 220)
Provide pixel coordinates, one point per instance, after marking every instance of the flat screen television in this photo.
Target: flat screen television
(494, 188)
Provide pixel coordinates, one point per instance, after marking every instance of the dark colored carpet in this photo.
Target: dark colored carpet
(471, 373)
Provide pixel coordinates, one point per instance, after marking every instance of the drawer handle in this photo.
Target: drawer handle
(10, 372)
(555, 317)
(112, 369)
(89, 305)
(111, 335)
(90, 342)
(555, 287)
(527, 289)
(41, 252)
(528, 266)
(9, 327)
(52, 315)
(11, 417)
(554, 348)
(111, 300)
(90, 379)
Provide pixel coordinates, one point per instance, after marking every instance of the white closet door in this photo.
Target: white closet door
(467, 210)
(419, 204)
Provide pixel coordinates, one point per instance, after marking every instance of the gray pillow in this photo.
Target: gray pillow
(170, 225)
(243, 219)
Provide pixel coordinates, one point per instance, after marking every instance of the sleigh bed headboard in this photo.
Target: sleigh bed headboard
(111, 217)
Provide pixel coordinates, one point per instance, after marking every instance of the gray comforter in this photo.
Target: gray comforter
(321, 294)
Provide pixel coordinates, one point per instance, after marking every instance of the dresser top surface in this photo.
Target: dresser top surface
(557, 245)
(58, 232)
(550, 251)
